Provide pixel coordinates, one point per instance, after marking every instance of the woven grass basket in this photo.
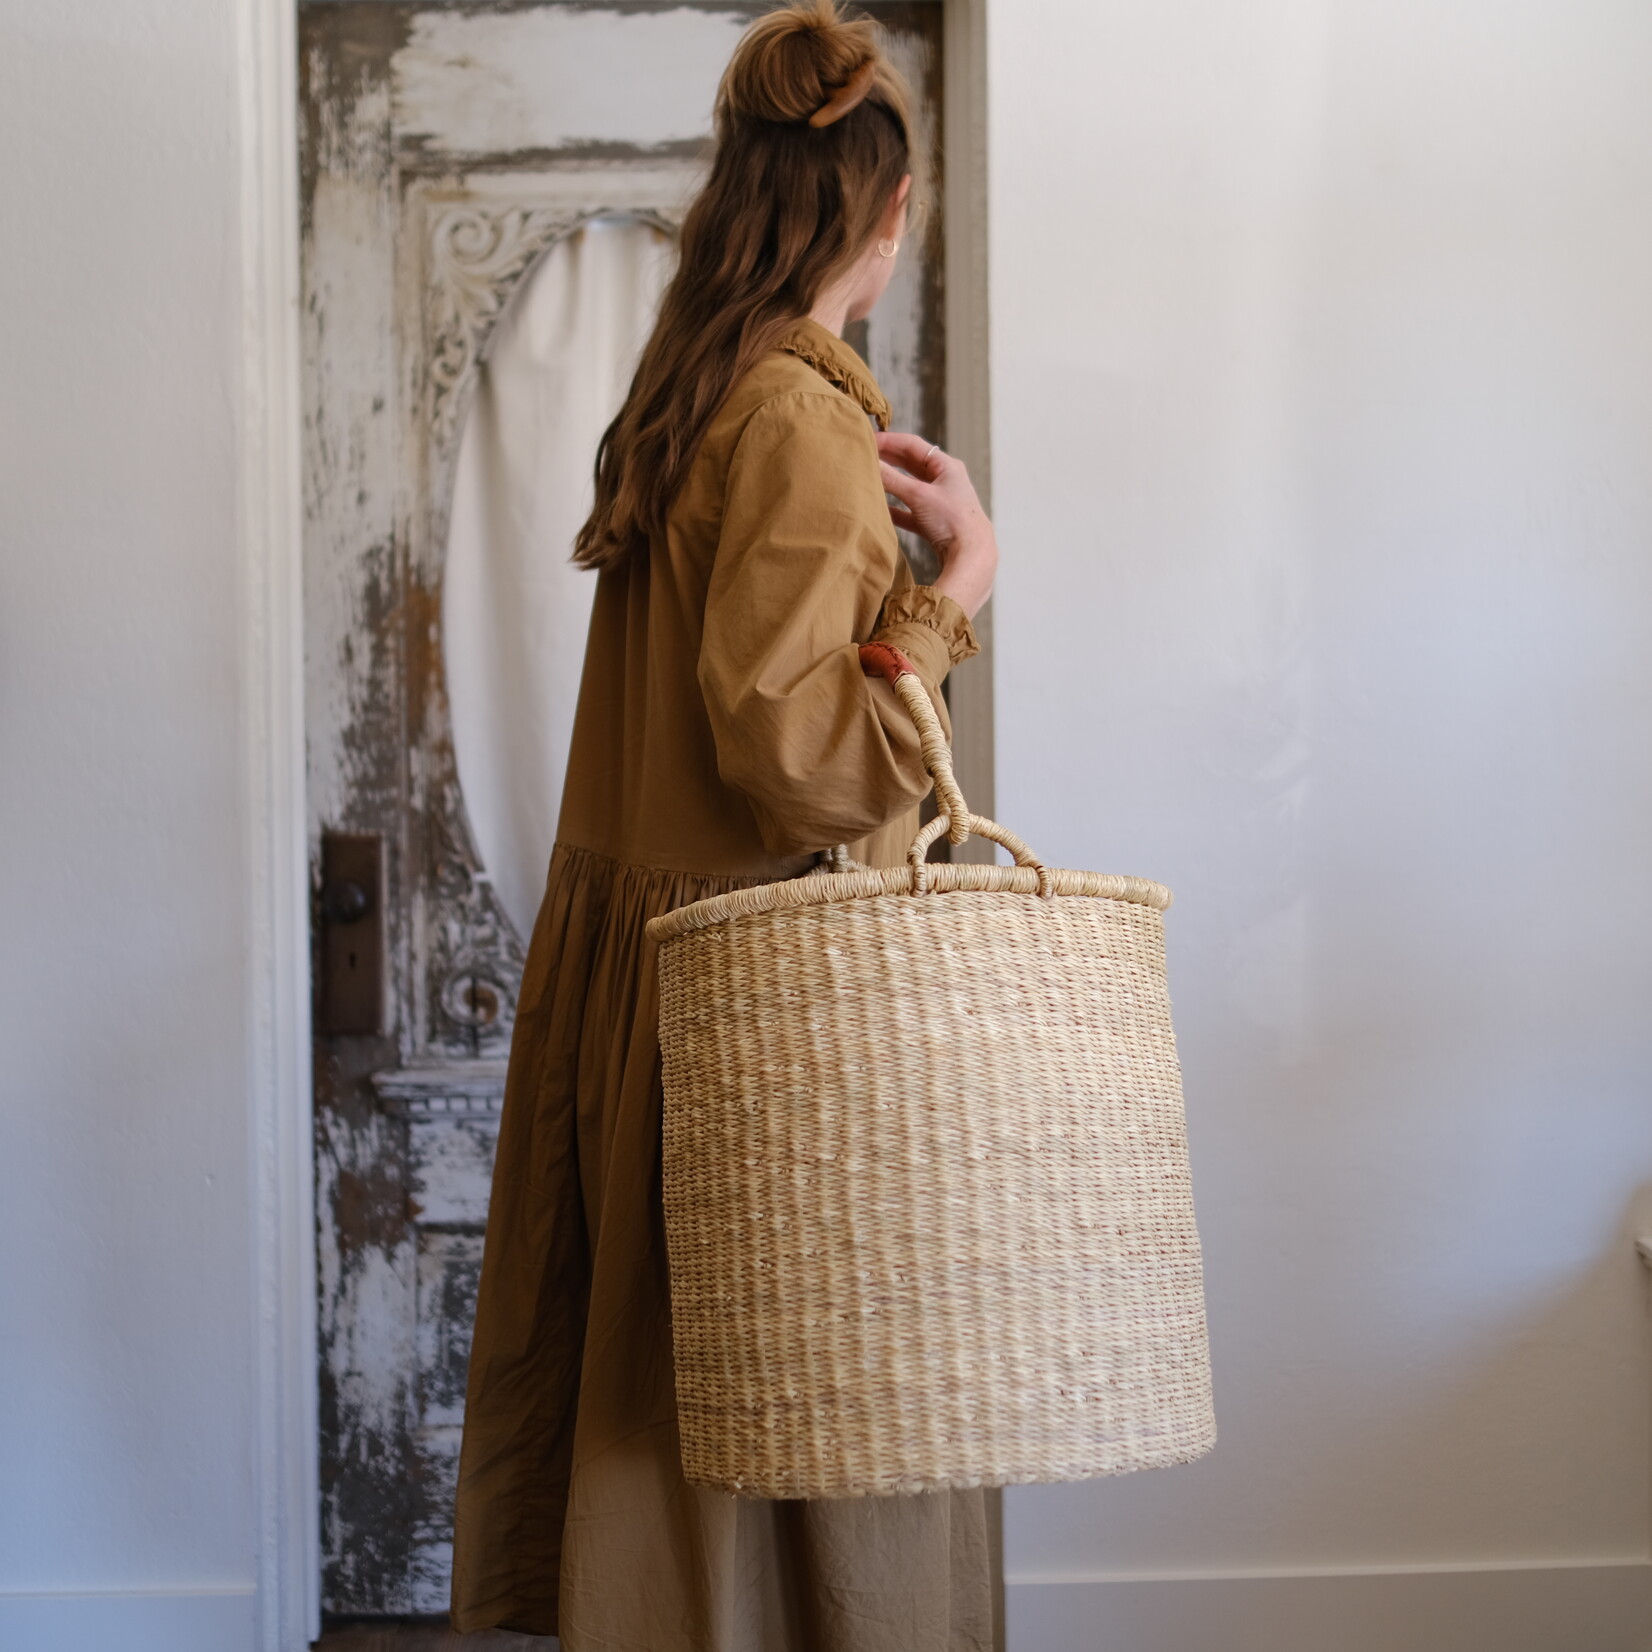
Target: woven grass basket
(927, 1201)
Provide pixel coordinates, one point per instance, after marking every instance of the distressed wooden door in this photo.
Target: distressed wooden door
(445, 148)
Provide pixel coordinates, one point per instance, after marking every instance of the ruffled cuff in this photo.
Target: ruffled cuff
(929, 627)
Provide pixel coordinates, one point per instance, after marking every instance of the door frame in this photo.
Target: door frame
(283, 1446)
(281, 1178)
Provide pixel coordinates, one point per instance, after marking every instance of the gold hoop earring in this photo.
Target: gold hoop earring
(893, 246)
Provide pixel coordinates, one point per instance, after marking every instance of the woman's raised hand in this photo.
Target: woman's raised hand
(937, 501)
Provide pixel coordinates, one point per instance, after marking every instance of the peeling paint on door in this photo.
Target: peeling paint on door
(444, 148)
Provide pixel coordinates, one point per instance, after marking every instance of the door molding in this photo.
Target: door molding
(281, 1171)
(968, 384)
(481, 240)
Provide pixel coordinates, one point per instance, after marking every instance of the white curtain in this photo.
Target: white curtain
(514, 611)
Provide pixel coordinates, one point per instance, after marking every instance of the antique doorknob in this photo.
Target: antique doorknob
(345, 901)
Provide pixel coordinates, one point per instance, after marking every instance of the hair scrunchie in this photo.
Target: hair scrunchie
(847, 95)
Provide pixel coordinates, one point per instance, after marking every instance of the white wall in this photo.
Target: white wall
(127, 1497)
(1322, 377)
(1323, 399)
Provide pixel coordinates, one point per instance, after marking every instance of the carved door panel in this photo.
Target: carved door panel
(445, 149)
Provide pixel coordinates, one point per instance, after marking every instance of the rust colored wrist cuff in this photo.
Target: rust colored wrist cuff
(880, 659)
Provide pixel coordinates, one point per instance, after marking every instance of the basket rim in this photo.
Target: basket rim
(868, 883)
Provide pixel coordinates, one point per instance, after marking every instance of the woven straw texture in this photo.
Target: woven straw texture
(926, 1184)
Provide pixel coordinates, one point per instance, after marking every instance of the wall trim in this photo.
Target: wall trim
(281, 1172)
(1516, 1606)
(149, 1620)
(1031, 1579)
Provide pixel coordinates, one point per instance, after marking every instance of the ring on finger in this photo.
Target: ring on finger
(934, 447)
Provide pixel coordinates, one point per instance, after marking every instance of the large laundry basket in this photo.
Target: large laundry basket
(927, 1201)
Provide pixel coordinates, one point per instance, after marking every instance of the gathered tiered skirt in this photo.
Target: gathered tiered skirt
(573, 1515)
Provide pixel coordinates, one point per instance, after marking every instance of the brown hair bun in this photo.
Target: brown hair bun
(794, 63)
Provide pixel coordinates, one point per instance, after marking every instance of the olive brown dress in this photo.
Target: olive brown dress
(725, 734)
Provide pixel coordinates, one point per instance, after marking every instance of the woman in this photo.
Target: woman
(725, 735)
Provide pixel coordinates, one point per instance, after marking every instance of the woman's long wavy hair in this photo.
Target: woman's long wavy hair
(787, 207)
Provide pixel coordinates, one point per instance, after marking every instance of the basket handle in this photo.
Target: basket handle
(879, 659)
(953, 818)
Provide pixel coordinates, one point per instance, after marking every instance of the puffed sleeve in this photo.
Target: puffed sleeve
(806, 559)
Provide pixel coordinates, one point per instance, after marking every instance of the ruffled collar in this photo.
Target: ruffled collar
(830, 357)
